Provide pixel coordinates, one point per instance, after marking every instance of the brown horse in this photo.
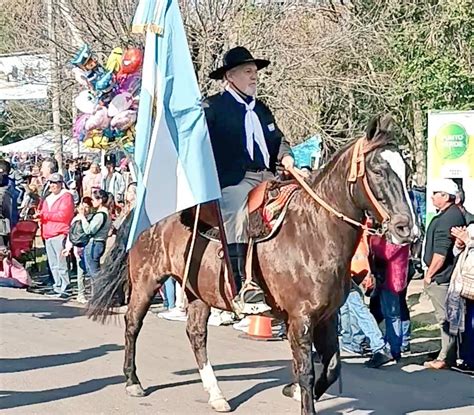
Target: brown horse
(304, 269)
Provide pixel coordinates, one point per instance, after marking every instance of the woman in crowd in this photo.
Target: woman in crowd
(460, 298)
(86, 207)
(98, 228)
(92, 179)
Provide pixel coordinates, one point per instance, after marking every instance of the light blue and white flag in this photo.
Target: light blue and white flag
(173, 153)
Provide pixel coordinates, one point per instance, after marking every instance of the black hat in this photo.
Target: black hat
(235, 57)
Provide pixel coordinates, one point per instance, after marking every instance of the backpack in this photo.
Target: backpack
(77, 236)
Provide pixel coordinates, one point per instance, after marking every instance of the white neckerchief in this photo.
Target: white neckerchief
(253, 127)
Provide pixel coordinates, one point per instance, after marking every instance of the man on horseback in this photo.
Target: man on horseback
(247, 145)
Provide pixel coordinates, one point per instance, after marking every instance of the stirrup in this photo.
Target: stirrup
(250, 300)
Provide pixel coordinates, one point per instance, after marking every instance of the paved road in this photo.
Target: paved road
(53, 360)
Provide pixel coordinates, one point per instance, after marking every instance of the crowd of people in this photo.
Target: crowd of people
(383, 271)
(80, 210)
(76, 212)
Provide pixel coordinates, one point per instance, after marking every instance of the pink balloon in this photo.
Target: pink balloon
(79, 126)
(130, 84)
(124, 120)
(99, 120)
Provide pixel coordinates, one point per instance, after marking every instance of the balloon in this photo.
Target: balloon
(119, 103)
(132, 60)
(124, 120)
(82, 56)
(96, 140)
(79, 126)
(99, 120)
(129, 148)
(85, 102)
(105, 82)
(80, 76)
(115, 60)
(130, 84)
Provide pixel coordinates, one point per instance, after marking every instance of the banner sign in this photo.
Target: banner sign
(451, 153)
(24, 77)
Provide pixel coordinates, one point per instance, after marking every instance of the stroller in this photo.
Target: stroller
(22, 239)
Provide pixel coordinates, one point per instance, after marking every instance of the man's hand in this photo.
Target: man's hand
(65, 252)
(461, 235)
(288, 162)
(427, 279)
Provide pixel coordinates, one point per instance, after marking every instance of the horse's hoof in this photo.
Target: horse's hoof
(292, 391)
(135, 391)
(220, 405)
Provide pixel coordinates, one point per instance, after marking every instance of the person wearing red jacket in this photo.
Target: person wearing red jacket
(55, 215)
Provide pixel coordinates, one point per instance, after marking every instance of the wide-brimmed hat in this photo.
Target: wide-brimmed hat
(235, 57)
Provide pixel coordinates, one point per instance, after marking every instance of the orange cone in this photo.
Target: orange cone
(260, 328)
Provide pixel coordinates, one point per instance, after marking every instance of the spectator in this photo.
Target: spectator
(390, 267)
(460, 199)
(86, 206)
(48, 167)
(55, 215)
(72, 177)
(98, 228)
(6, 202)
(439, 258)
(113, 181)
(30, 202)
(460, 301)
(357, 324)
(92, 180)
(36, 177)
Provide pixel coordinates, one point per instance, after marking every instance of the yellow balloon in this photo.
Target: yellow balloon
(114, 62)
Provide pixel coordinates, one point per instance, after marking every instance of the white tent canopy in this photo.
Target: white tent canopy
(44, 143)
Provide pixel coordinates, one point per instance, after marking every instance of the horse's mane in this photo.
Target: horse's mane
(382, 138)
(335, 158)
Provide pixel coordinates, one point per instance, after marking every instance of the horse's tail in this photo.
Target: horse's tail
(110, 286)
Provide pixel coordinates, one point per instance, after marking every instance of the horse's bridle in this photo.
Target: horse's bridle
(357, 171)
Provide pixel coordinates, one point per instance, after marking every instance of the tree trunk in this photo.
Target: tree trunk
(419, 144)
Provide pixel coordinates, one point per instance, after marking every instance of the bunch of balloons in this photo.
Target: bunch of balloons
(109, 102)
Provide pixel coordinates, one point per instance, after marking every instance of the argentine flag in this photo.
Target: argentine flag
(173, 153)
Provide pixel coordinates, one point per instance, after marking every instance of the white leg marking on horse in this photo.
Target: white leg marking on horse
(297, 393)
(209, 381)
(399, 167)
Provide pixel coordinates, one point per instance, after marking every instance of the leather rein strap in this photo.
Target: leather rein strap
(357, 171)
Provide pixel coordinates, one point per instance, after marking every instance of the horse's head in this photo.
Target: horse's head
(384, 185)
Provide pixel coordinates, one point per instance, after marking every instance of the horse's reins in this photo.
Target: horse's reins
(357, 171)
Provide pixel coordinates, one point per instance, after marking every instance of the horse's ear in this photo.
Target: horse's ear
(372, 127)
(380, 126)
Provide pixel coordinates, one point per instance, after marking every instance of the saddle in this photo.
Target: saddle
(266, 205)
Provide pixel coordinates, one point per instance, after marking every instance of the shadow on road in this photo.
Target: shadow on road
(370, 389)
(22, 364)
(40, 308)
(15, 399)
(278, 375)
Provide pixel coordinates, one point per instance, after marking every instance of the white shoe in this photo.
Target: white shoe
(174, 314)
(220, 318)
(81, 299)
(242, 325)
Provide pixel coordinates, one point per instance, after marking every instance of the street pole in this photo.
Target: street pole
(55, 85)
